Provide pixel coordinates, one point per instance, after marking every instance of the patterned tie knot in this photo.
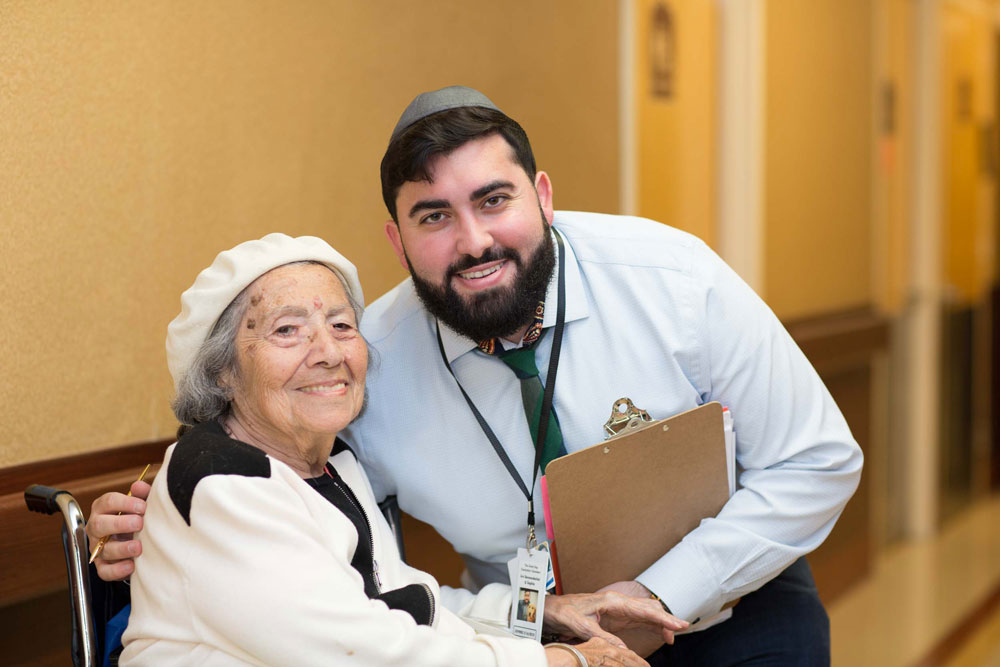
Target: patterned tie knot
(492, 346)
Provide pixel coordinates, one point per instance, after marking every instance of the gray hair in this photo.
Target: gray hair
(201, 396)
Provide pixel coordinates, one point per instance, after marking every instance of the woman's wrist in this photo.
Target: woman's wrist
(581, 660)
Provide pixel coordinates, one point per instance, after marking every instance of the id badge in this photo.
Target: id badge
(529, 572)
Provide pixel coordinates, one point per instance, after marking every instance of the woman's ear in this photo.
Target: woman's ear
(225, 383)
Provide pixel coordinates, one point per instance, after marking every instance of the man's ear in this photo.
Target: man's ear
(543, 186)
(392, 233)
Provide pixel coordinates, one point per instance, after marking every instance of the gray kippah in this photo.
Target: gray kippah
(431, 102)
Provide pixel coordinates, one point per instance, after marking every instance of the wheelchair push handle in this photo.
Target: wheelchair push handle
(47, 500)
(42, 499)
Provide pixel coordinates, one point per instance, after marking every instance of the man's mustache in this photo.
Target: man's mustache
(493, 254)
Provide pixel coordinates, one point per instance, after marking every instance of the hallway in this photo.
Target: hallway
(924, 602)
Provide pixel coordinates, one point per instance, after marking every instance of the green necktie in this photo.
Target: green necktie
(522, 362)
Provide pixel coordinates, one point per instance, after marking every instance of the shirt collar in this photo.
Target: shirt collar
(455, 344)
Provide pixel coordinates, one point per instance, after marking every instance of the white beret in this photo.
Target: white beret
(232, 270)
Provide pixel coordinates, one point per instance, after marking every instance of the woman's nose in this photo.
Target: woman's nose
(324, 348)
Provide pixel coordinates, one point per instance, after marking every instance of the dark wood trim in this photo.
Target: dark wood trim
(846, 556)
(426, 550)
(53, 472)
(37, 632)
(840, 336)
(994, 400)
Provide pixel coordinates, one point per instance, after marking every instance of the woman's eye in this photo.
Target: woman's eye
(286, 330)
(345, 328)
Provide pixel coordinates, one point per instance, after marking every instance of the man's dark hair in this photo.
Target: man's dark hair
(407, 157)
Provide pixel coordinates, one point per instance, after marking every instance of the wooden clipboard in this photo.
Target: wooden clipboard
(618, 506)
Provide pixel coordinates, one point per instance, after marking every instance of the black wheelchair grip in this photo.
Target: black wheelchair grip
(42, 498)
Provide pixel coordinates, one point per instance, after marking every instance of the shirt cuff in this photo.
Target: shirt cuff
(684, 585)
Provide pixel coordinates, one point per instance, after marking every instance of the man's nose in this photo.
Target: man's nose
(474, 237)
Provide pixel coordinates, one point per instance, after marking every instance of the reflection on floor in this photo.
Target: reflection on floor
(983, 648)
(925, 602)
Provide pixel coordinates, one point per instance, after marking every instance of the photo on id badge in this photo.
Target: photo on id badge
(527, 605)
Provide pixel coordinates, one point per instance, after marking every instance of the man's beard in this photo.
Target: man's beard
(497, 312)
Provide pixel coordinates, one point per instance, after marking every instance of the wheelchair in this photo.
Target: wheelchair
(88, 619)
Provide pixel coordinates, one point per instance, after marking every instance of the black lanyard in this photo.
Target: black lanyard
(550, 384)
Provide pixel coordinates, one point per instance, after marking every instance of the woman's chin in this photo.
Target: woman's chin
(329, 422)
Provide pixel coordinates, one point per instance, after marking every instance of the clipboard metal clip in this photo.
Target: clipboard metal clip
(624, 417)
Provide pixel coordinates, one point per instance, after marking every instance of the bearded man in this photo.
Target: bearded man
(650, 313)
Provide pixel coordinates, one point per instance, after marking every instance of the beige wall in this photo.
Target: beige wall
(676, 135)
(817, 238)
(894, 150)
(139, 139)
(968, 97)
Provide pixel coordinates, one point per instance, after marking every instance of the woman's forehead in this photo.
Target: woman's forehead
(297, 284)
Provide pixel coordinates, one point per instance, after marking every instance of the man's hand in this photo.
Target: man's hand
(606, 614)
(116, 560)
(644, 640)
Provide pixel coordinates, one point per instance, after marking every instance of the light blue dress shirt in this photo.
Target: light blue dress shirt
(653, 314)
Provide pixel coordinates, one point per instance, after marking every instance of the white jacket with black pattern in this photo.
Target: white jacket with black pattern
(244, 563)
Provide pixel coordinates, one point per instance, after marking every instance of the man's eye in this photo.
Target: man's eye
(495, 200)
(436, 216)
(286, 330)
(342, 326)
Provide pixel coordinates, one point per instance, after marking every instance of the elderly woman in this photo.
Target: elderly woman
(263, 543)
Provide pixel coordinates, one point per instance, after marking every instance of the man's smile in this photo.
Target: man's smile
(484, 276)
(482, 272)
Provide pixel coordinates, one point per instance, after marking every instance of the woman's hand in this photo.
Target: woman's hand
(597, 652)
(607, 613)
(116, 560)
